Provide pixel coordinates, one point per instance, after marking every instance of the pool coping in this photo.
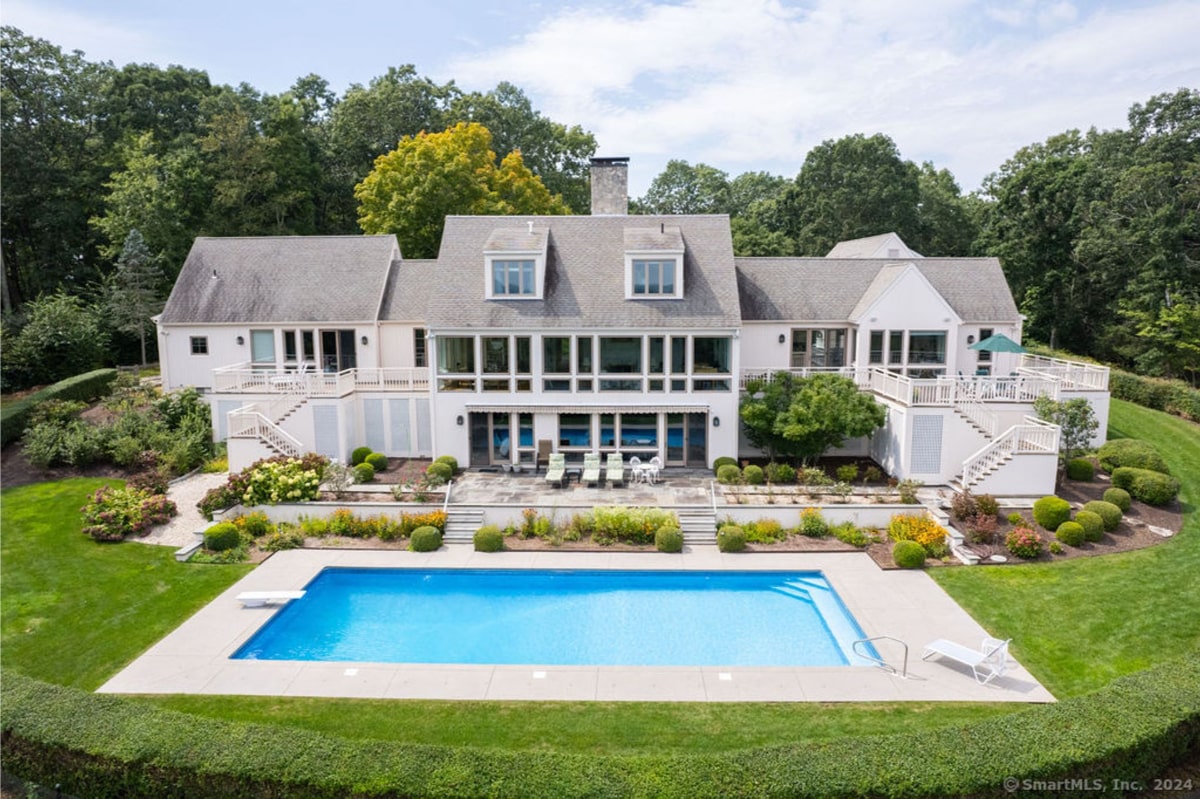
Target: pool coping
(908, 605)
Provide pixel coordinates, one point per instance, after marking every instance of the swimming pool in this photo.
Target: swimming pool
(550, 617)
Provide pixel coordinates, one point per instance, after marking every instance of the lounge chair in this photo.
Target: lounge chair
(556, 468)
(591, 468)
(614, 473)
(987, 663)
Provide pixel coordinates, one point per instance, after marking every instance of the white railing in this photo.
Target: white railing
(978, 414)
(1034, 436)
(860, 376)
(890, 385)
(1072, 374)
(243, 378)
(249, 422)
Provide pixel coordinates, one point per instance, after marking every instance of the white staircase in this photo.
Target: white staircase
(698, 525)
(461, 524)
(1034, 436)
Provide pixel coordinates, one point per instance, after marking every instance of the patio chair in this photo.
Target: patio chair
(556, 468)
(591, 468)
(543, 454)
(614, 473)
(989, 662)
(655, 467)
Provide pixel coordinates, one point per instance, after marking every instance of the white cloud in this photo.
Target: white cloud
(101, 37)
(754, 84)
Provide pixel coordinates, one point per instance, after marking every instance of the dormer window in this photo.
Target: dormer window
(515, 263)
(654, 263)
(513, 278)
(654, 277)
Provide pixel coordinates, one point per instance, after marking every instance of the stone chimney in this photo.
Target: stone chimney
(610, 186)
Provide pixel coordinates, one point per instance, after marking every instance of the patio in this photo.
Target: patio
(674, 487)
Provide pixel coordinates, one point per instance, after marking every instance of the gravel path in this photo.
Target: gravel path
(185, 494)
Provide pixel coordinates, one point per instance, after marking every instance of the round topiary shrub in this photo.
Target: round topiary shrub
(729, 474)
(425, 539)
(364, 473)
(1119, 497)
(1109, 513)
(724, 460)
(378, 461)
(221, 537)
(731, 538)
(440, 470)
(1130, 452)
(1145, 485)
(1024, 543)
(488, 538)
(1092, 524)
(1050, 512)
(780, 473)
(1070, 533)
(753, 475)
(668, 539)
(359, 455)
(450, 461)
(1080, 469)
(908, 555)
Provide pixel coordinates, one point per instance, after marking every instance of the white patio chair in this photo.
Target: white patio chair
(987, 663)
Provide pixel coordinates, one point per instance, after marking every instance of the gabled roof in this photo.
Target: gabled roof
(406, 298)
(833, 289)
(585, 274)
(268, 279)
(885, 245)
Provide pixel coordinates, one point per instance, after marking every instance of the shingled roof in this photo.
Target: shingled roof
(406, 298)
(830, 289)
(268, 279)
(585, 274)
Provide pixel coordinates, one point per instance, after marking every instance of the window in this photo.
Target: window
(583, 355)
(656, 355)
(819, 349)
(523, 358)
(621, 355)
(513, 279)
(639, 430)
(495, 355)
(262, 347)
(985, 356)
(710, 355)
(926, 347)
(199, 345)
(896, 347)
(678, 355)
(556, 355)
(456, 355)
(655, 277)
(289, 346)
(876, 356)
(574, 430)
(419, 356)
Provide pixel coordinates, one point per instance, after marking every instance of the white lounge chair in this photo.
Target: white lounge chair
(556, 468)
(987, 663)
(614, 472)
(591, 468)
(256, 599)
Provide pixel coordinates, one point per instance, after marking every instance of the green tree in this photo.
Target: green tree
(853, 187)
(134, 292)
(61, 337)
(805, 417)
(412, 189)
(947, 227)
(1171, 337)
(685, 189)
(1075, 419)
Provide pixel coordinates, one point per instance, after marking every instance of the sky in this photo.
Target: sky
(741, 85)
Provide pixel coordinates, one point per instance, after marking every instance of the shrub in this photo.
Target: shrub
(1130, 452)
(222, 536)
(338, 477)
(764, 531)
(780, 473)
(73, 443)
(1092, 524)
(987, 505)
(908, 554)
(963, 506)
(276, 480)
(378, 461)
(637, 525)
(847, 473)
(112, 512)
(1080, 469)
(450, 461)
(16, 416)
(908, 491)
(729, 474)
(1171, 396)
(813, 476)
(1145, 485)
(981, 528)
(359, 455)
(813, 524)
(219, 498)
(668, 539)
(440, 470)
(922, 529)
(254, 524)
(850, 533)
(1119, 497)
(753, 475)
(1024, 543)
(1016, 518)
(872, 475)
(724, 460)
(1070, 533)
(283, 538)
(489, 538)
(364, 473)
(1055, 548)
(425, 539)
(1051, 511)
(1110, 514)
(731, 538)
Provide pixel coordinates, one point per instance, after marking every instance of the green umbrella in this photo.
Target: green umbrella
(998, 343)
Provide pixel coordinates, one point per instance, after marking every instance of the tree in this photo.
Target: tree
(804, 417)
(413, 188)
(134, 292)
(62, 337)
(850, 188)
(1075, 419)
(685, 189)
(946, 225)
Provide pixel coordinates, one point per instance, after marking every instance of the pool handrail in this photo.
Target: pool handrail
(880, 662)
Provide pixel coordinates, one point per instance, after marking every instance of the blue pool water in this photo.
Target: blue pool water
(544, 617)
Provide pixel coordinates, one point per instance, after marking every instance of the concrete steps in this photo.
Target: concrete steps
(461, 524)
(699, 526)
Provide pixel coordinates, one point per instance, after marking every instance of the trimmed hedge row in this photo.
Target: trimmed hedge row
(1171, 396)
(1145, 485)
(86, 387)
(100, 745)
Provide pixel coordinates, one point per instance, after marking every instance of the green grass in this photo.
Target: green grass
(1079, 624)
(75, 611)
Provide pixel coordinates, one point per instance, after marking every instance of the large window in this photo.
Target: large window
(621, 355)
(574, 430)
(653, 277)
(495, 354)
(710, 355)
(926, 347)
(556, 355)
(819, 349)
(456, 355)
(513, 279)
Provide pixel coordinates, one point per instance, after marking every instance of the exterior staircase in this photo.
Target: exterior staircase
(461, 524)
(1033, 437)
(698, 525)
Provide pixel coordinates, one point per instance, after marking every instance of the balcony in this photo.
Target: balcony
(245, 378)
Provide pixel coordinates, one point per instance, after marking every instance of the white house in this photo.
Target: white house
(608, 333)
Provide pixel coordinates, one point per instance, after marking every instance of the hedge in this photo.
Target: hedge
(102, 745)
(1171, 396)
(1131, 452)
(1153, 488)
(87, 386)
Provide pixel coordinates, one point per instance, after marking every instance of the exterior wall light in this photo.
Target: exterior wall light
(782, 338)
(970, 339)
(716, 421)
(459, 421)
(363, 340)
(240, 341)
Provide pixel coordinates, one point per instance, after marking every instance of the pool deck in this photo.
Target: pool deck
(908, 605)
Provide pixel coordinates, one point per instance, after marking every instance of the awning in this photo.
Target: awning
(529, 408)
